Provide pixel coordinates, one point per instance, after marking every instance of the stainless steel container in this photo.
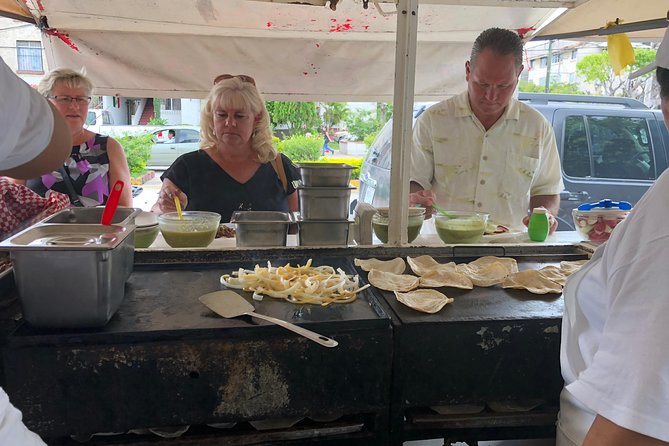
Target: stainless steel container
(325, 174)
(323, 232)
(261, 228)
(324, 203)
(71, 275)
(122, 216)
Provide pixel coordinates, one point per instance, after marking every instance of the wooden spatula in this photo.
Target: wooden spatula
(229, 304)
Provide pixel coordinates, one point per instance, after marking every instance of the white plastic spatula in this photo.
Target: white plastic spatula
(229, 304)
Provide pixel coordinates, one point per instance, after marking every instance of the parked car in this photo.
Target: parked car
(165, 151)
(610, 147)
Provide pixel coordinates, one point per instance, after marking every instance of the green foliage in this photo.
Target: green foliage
(369, 139)
(300, 117)
(137, 150)
(596, 69)
(334, 113)
(156, 108)
(362, 123)
(301, 148)
(157, 121)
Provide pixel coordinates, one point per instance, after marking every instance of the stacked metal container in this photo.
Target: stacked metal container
(70, 271)
(324, 200)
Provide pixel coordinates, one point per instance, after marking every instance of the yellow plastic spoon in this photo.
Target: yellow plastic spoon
(177, 203)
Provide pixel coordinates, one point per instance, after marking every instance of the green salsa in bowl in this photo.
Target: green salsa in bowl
(460, 226)
(196, 229)
(415, 223)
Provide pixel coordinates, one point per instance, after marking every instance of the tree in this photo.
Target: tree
(596, 69)
(362, 123)
(334, 113)
(299, 117)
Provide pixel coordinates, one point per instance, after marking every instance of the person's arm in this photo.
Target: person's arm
(293, 204)
(604, 432)
(166, 195)
(421, 197)
(53, 155)
(118, 170)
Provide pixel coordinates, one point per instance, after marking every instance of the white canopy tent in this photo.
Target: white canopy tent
(174, 48)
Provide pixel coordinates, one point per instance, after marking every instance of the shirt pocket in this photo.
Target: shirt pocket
(519, 173)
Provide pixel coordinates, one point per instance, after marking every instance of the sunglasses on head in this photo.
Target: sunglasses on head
(242, 77)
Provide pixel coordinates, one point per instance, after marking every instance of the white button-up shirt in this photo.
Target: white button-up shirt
(494, 171)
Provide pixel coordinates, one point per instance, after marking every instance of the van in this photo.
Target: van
(609, 147)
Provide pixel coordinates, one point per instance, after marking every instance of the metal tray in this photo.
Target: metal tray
(122, 216)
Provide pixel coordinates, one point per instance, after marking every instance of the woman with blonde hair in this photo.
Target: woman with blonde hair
(96, 161)
(237, 166)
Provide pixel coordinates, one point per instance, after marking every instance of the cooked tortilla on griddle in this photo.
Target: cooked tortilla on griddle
(426, 301)
(440, 278)
(395, 266)
(533, 281)
(392, 282)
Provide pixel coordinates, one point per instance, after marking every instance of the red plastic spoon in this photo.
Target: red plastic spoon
(112, 203)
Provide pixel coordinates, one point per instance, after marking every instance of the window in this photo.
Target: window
(574, 53)
(544, 62)
(572, 78)
(608, 147)
(29, 56)
(187, 135)
(556, 58)
(172, 104)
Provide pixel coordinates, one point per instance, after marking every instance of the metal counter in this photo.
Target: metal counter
(491, 347)
(165, 360)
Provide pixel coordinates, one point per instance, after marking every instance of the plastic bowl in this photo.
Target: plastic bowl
(415, 223)
(196, 229)
(460, 226)
(597, 225)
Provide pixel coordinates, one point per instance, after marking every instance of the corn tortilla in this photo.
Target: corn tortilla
(440, 278)
(392, 282)
(395, 266)
(533, 281)
(426, 301)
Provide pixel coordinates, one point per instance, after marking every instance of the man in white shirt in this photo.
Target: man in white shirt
(35, 138)
(483, 150)
(614, 352)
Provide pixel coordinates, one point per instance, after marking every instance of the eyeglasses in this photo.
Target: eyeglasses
(242, 77)
(67, 100)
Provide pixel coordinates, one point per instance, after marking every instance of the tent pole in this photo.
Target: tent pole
(405, 73)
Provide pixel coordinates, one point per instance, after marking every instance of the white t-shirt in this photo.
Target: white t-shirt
(26, 121)
(12, 430)
(494, 171)
(615, 328)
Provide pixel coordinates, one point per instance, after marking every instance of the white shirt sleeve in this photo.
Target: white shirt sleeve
(25, 118)
(12, 429)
